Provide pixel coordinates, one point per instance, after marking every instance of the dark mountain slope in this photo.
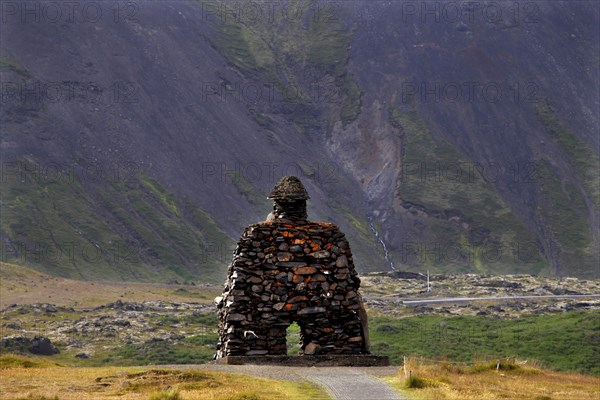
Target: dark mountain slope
(190, 116)
(498, 91)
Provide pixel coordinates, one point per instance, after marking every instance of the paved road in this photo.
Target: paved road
(342, 383)
(496, 298)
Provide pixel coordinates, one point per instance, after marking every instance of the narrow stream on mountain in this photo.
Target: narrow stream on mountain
(378, 237)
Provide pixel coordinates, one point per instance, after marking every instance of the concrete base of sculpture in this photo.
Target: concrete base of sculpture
(338, 360)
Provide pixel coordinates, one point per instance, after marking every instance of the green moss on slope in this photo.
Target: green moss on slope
(11, 65)
(249, 191)
(563, 209)
(108, 231)
(167, 199)
(581, 156)
(351, 103)
(475, 230)
(51, 224)
(292, 53)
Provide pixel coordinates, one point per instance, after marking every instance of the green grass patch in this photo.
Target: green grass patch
(568, 342)
(161, 352)
(207, 320)
(416, 382)
(18, 361)
(172, 394)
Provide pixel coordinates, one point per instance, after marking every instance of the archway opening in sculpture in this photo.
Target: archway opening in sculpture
(293, 339)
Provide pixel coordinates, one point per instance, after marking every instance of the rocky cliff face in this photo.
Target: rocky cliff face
(138, 139)
(487, 143)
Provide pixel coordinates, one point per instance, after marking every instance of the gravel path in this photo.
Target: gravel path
(350, 384)
(342, 383)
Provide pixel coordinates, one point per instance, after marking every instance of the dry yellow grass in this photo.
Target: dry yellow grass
(143, 383)
(514, 380)
(23, 285)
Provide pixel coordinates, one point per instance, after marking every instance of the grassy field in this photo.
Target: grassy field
(36, 379)
(567, 342)
(509, 379)
(23, 378)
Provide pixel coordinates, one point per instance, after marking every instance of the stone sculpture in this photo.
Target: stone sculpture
(286, 270)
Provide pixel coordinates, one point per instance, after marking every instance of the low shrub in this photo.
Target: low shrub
(245, 396)
(416, 382)
(172, 394)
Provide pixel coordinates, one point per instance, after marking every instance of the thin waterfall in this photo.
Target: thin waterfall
(385, 250)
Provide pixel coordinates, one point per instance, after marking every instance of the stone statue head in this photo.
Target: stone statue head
(289, 197)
